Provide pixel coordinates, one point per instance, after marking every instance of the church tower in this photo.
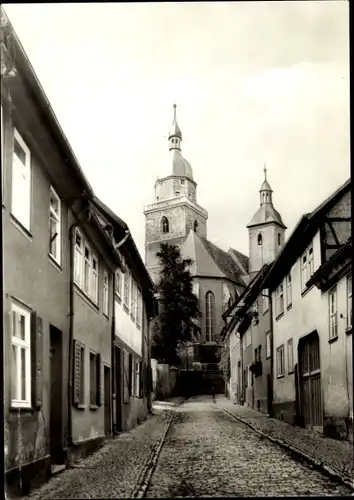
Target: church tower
(266, 231)
(175, 210)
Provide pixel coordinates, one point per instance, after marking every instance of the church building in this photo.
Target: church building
(219, 277)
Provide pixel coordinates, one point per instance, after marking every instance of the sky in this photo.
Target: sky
(254, 82)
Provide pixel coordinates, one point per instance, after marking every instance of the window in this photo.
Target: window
(279, 300)
(288, 290)
(210, 316)
(349, 303)
(249, 376)
(119, 279)
(195, 226)
(54, 226)
(138, 307)
(259, 239)
(105, 293)
(248, 338)
(137, 378)
(126, 288)
(21, 357)
(177, 193)
(280, 361)
(307, 266)
(290, 356)
(333, 320)
(268, 345)
(133, 298)
(183, 181)
(258, 353)
(94, 378)
(85, 268)
(165, 225)
(279, 239)
(265, 300)
(21, 181)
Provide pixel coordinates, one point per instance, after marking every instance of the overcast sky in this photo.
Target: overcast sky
(254, 82)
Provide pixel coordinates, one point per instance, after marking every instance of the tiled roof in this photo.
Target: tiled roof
(203, 262)
(224, 261)
(244, 260)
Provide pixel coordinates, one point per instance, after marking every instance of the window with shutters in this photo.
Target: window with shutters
(139, 304)
(21, 181)
(290, 356)
(280, 361)
(105, 293)
(333, 315)
(265, 300)
(307, 266)
(133, 299)
(94, 379)
(85, 268)
(79, 373)
(126, 375)
(126, 289)
(21, 357)
(288, 291)
(279, 301)
(55, 226)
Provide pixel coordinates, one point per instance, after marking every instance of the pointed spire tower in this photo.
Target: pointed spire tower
(175, 134)
(266, 230)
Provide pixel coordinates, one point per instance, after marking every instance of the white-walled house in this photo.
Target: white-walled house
(310, 377)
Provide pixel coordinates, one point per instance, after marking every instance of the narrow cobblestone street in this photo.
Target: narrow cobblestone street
(204, 453)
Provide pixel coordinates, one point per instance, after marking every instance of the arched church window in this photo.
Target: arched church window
(259, 239)
(195, 226)
(165, 225)
(210, 316)
(279, 238)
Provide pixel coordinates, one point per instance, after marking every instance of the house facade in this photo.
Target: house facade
(311, 378)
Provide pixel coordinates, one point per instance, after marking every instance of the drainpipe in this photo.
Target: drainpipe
(72, 228)
(272, 351)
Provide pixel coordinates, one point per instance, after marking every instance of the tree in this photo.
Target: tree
(178, 306)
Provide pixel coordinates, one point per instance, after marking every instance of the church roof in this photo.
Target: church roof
(266, 186)
(242, 258)
(210, 260)
(266, 213)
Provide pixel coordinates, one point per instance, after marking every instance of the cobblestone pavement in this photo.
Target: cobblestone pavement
(208, 453)
(113, 471)
(334, 453)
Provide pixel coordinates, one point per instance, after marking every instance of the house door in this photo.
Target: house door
(310, 382)
(107, 400)
(118, 364)
(56, 396)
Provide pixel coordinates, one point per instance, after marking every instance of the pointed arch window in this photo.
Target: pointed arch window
(165, 225)
(279, 239)
(195, 226)
(259, 239)
(210, 316)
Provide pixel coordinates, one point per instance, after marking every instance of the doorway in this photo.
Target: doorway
(118, 389)
(310, 382)
(56, 397)
(107, 400)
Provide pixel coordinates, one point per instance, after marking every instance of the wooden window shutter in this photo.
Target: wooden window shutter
(126, 377)
(36, 360)
(131, 377)
(100, 378)
(77, 372)
(140, 379)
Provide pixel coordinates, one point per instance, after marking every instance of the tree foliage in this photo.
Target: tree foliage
(178, 306)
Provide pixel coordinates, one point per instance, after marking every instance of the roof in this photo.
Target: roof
(265, 214)
(175, 131)
(242, 258)
(266, 186)
(301, 235)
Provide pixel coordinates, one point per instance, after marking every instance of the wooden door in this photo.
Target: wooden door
(107, 400)
(56, 396)
(310, 382)
(118, 389)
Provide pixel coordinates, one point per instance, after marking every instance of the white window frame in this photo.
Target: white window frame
(87, 265)
(307, 266)
(137, 378)
(119, 283)
(94, 279)
(349, 312)
(333, 313)
(139, 306)
(89, 285)
(290, 348)
(289, 297)
(279, 300)
(126, 288)
(133, 298)
(265, 300)
(20, 169)
(78, 260)
(280, 361)
(19, 344)
(105, 293)
(268, 345)
(57, 217)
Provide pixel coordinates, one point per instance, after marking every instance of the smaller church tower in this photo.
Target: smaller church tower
(266, 231)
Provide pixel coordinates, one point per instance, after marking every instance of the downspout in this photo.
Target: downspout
(272, 351)
(72, 229)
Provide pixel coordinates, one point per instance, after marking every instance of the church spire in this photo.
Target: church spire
(266, 190)
(175, 134)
